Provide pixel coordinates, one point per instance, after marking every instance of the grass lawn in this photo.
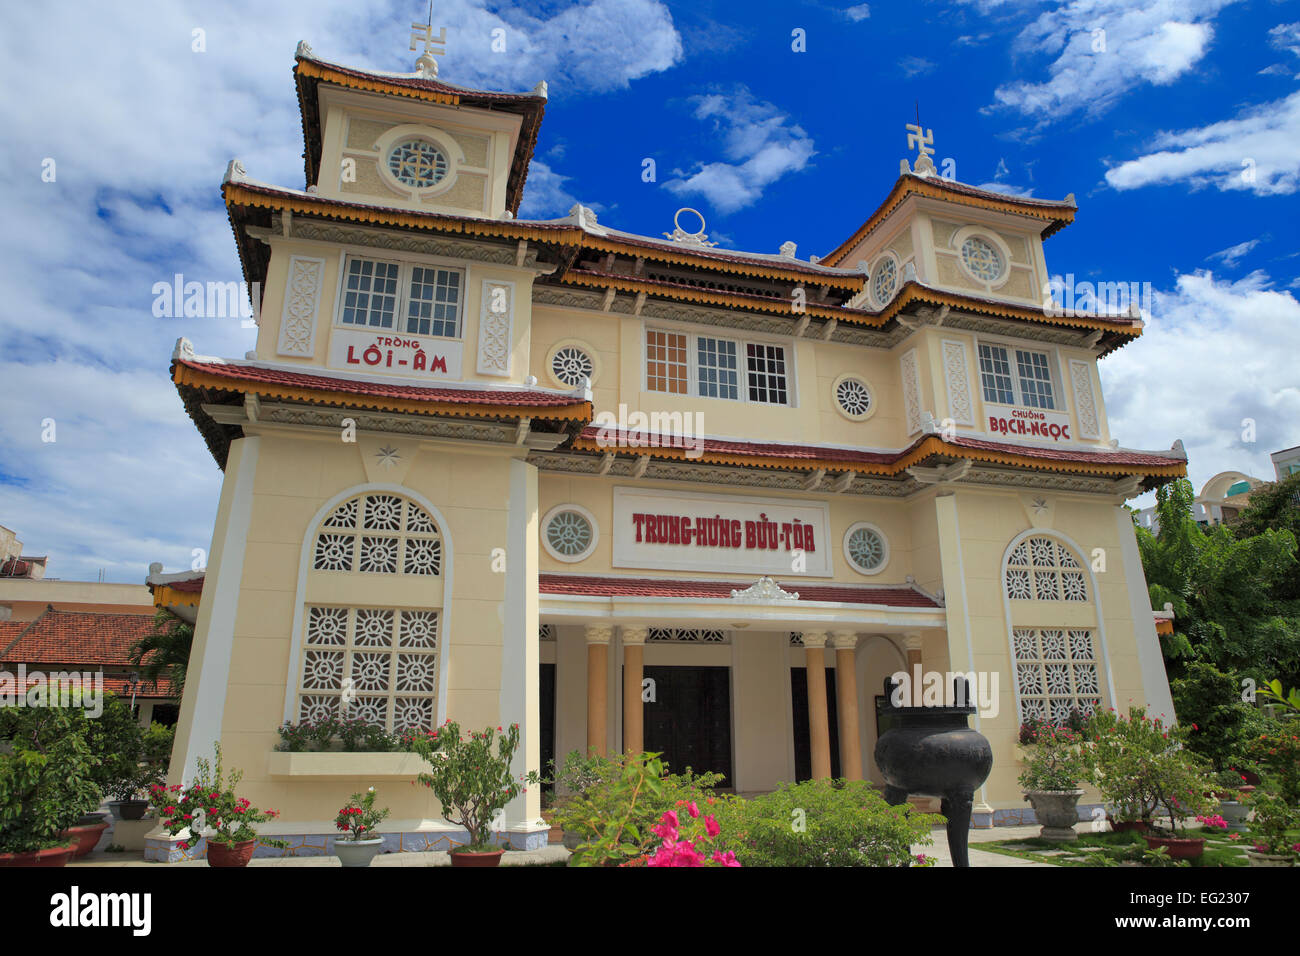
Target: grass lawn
(1119, 849)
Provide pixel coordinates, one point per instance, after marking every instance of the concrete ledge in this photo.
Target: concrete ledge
(339, 766)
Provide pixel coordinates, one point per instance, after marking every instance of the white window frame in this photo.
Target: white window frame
(1053, 370)
(405, 269)
(693, 335)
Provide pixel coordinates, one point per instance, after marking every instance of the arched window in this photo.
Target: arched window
(362, 658)
(1054, 646)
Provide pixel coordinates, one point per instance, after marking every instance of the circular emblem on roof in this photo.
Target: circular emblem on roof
(417, 163)
(697, 238)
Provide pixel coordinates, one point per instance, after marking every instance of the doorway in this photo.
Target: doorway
(803, 729)
(689, 719)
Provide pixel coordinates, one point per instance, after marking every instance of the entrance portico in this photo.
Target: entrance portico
(615, 641)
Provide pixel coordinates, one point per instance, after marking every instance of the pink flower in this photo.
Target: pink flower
(711, 826)
(693, 810)
(920, 859)
(726, 859)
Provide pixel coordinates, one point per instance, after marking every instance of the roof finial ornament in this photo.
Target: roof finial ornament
(698, 238)
(426, 66)
(920, 139)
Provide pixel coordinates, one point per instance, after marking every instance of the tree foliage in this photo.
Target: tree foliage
(167, 648)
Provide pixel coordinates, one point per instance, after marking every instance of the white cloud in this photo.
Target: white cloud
(1255, 151)
(1234, 254)
(759, 142)
(544, 194)
(860, 12)
(1101, 49)
(140, 128)
(1170, 383)
(1286, 36)
(915, 66)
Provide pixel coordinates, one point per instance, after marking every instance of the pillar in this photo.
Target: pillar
(598, 636)
(814, 646)
(846, 703)
(912, 644)
(633, 673)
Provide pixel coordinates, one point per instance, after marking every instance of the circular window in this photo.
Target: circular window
(884, 279)
(569, 532)
(982, 259)
(854, 397)
(865, 548)
(572, 366)
(417, 163)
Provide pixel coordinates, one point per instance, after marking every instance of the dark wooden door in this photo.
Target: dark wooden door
(802, 729)
(546, 714)
(689, 721)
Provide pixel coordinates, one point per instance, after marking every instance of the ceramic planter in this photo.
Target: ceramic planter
(476, 858)
(50, 856)
(1178, 848)
(231, 854)
(128, 809)
(1269, 859)
(1235, 813)
(357, 853)
(84, 837)
(1128, 826)
(1057, 811)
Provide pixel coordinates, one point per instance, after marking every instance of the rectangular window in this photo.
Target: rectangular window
(434, 306)
(995, 373)
(1035, 379)
(370, 293)
(1030, 383)
(766, 366)
(665, 361)
(376, 292)
(717, 370)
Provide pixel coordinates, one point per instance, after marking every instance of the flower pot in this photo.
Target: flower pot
(50, 856)
(357, 852)
(1178, 848)
(128, 809)
(84, 837)
(571, 840)
(231, 854)
(1056, 810)
(1269, 859)
(476, 857)
(1128, 826)
(1234, 812)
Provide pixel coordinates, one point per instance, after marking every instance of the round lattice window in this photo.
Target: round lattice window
(853, 397)
(982, 259)
(569, 533)
(884, 280)
(417, 163)
(571, 366)
(865, 548)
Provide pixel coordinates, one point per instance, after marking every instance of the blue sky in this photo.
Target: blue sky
(1174, 122)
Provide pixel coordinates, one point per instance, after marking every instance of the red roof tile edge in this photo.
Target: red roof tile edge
(601, 586)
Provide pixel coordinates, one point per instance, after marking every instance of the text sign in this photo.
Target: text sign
(414, 356)
(680, 531)
(1032, 423)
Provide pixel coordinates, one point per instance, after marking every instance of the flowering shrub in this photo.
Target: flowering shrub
(1268, 829)
(688, 842)
(1056, 763)
(210, 808)
(822, 823)
(1279, 755)
(470, 781)
(343, 734)
(359, 818)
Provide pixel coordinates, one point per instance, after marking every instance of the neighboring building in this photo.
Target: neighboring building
(15, 564)
(805, 475)
(1286, 462)
(1222, 498)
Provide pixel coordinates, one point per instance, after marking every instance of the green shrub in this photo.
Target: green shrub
(822, 823)
(46, 775)
(1055, 761)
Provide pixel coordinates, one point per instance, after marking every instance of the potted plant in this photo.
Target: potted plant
(1051, 778)
(210, 808)
(358, 820)
(1232, 792)
(1118, 755)
(1179, 786)
(46, 783)
(1268, 831)
(472, 780)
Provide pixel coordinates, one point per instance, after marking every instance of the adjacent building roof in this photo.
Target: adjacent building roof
(80, 641)
(613, 586)
(310, 71)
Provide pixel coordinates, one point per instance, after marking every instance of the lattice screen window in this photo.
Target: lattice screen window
(1041, 569)
(678, 635)
(1056, 672)
(385, 659)
(379, 534)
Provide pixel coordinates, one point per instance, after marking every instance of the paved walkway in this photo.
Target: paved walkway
(550, 854)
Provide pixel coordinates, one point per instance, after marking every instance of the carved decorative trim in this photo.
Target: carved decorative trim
(415, 425)
(501, 254)
(1085, 404)
(495, 327)
(960, 406)
(764, 591)
(911, 391)
(301, 298)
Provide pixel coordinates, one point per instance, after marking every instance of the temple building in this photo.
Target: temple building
(637, 491)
